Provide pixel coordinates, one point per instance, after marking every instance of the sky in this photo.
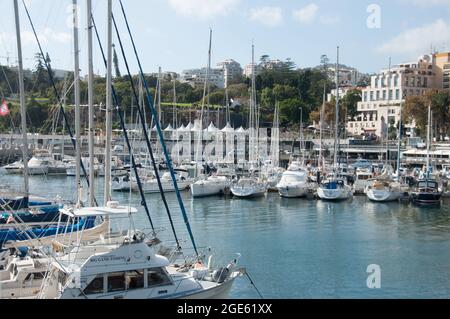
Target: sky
(174, 34)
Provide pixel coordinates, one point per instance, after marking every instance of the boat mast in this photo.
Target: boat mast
(159, 96)
(399, 134)
(76, 78)
(251, 125)
(208, 74)
(428, 141)
(301, 134)
(336, 132)
(90, 106)
(23, 112)
(107, 195)
(387, 113)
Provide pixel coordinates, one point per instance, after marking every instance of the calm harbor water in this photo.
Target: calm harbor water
(298, 248)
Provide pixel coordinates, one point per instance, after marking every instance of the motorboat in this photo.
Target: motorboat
(427, 193)
(150, 184)
(293, 183)
(130, 269)
(14, 168)
(121, 183)
(216, 184)
(364, 178)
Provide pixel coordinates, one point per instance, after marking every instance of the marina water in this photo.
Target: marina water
(299, 248)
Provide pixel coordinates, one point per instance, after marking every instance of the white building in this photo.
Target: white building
(347, 76)
(196, 77)
(248, 70)
(342, 92)
(232, 70)
(380, 105)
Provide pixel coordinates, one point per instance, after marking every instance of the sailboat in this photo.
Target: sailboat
(270, 169)
(252, 186)
(427, 191)
(384, 188)
(335, 186)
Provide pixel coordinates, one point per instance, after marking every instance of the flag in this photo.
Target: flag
(4, 110)
(10, 218)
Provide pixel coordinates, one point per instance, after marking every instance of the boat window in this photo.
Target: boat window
(95, 286)
(157, 277)
(135, 279)
(116, 281)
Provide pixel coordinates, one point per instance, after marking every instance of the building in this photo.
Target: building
(442, 69)
(347, 76)
(342, 92)
(248, 70)
(380, 105)
(232, 71)
(196, 77)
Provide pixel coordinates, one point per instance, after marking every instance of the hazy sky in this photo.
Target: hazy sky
(173, 34)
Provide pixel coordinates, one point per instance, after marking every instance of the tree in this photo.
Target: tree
(350, 102)
(40, 76)
(416, 109)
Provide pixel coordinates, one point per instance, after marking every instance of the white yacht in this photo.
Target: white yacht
(364, 178)
(39, 163)
(22, 277)
(293, 183)
(249, 187)
(150, 184)
(130, 269)
(213, 185)
(14, 168)
(121, 183)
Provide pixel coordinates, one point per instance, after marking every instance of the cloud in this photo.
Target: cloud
(203, 9)
(427, 3)
(330, 19)
(45, 36)
(418, 40)
(269, 16)
(307, 14)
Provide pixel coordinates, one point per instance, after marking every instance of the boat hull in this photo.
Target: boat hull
(292, 191)
(426, 199)
(334, 194)
(383, 195)
(203, 189)
(248, 193)
(152, 187)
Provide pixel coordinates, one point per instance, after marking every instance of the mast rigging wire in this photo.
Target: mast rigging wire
(161, 137)
(147, 139)
(52, 80)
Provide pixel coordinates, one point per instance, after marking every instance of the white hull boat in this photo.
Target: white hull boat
(381, 191)
(334, 190)
(293, 184)
(132, 270)
(248, 188)
(14, 168)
